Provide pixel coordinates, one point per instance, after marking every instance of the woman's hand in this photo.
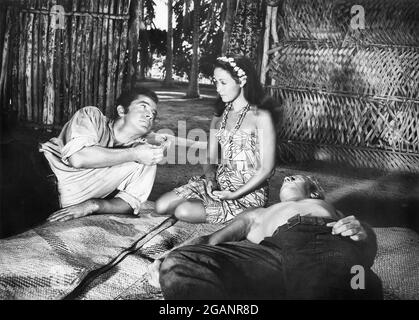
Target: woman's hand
(224, 195)
(211, 185)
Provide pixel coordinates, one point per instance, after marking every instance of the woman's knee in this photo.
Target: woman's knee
(193, 212)
(166, 202)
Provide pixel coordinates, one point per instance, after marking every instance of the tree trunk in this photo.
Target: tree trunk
(142, 68)
(168, 81)
(228, 25)
(193, 88)
(134, 33)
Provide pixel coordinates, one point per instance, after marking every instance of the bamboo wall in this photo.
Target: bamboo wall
(350, 95)
(47, 74)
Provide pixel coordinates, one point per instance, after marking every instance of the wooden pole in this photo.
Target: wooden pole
(35, 62)
(134, 25)
(21, 86)
(122, 52)
(168, 81)
(103, 57)
(95, 57)
(109, 75)
(5, 58)
(43, 61)
(49, 95)
(28, 68)
(266, 44)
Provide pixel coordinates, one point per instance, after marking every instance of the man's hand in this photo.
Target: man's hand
(153, 274)
(349, 227)
(149, 154)
(224, 195)
(76, 211)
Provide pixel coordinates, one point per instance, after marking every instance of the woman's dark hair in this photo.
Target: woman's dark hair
(252, 90)
(127, 97)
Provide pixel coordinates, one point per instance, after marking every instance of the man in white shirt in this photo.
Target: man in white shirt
(94, 157)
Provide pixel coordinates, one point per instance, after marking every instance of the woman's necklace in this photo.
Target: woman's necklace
(239, 121)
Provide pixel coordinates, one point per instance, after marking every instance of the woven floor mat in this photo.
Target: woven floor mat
(397, 262)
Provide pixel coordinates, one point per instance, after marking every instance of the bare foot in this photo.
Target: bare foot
(76, 211)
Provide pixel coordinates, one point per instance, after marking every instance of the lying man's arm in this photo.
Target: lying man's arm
(360, 232)
(237, 230)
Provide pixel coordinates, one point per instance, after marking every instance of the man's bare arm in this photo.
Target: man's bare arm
(100, 157)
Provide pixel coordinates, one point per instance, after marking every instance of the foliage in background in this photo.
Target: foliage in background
(211, 35)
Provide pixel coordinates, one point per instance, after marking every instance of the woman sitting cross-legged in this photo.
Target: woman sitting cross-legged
(244, 126)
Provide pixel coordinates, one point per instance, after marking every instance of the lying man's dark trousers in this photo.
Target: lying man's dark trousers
(303, 261)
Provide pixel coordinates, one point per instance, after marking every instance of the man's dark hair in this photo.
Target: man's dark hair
(127, 97)
(314, 188)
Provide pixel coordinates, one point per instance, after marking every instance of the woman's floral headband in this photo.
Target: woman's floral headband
(239, 71)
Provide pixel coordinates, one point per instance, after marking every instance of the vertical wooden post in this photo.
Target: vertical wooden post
(168, 81)
(21, 78)
(5, 59)
(110, 75)
(134, 24)
(103, 57)
(49, 94)
(95, 57)
(123, 51)
(266, 44)
(35, 58)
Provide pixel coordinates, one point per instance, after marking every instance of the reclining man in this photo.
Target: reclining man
(295, 249)
(95, 156)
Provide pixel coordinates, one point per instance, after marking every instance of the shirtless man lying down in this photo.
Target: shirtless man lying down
(300, 248)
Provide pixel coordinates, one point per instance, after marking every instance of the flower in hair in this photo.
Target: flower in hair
(239, 71)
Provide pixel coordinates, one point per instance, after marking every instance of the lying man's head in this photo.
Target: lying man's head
(300, 187)
(138, 108)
